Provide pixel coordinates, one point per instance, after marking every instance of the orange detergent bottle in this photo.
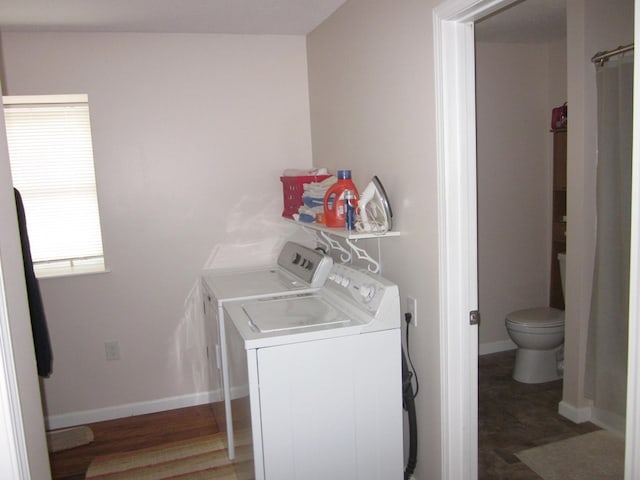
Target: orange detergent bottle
(334, 206)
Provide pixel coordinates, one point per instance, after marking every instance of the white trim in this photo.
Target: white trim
(608, 420)
(602, 418)
(495, 347)
(457, 213)
(72, 419)
(68, 268)
(632, 437)
(576, 415)
(49, 99)
(13, 459)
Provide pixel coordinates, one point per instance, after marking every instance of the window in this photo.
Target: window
(51, 158)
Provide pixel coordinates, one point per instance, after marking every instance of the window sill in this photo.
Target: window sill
(70, 272)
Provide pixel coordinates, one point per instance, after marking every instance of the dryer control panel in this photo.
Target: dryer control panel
(309, 265)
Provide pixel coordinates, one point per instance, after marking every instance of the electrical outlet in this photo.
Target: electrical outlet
(112, 350)
(412, 308)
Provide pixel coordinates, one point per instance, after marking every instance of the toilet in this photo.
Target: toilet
(539, 335)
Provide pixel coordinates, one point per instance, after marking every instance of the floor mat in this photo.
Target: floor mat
(195, 459)
(598, 455)
(58, 440)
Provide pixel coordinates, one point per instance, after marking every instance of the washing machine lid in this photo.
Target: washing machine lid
(537, 317)
(293, 314)
(238, 285)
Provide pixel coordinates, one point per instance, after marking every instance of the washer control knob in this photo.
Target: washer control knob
(367, 292)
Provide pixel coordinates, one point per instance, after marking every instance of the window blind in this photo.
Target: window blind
(51, 158)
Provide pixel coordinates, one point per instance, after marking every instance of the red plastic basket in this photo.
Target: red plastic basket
(292, 190)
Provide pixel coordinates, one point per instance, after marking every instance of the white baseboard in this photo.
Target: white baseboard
(72, 419)
(575, 414)
(610, 421)
(495, 347)
(607, 420)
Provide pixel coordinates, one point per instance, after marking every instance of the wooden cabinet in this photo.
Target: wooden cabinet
(559, 225)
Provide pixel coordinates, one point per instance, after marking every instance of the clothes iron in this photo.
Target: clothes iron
(374, 212)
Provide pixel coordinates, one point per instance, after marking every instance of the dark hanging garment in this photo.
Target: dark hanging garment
(44, 358)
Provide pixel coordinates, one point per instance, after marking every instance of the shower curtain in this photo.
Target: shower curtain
(606, 366)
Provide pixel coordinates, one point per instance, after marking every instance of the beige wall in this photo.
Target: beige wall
(371, 85)
(592, 26)
(514, 183)
(557, 50)
(191, 133)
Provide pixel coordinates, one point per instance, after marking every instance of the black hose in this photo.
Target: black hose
(408, 404)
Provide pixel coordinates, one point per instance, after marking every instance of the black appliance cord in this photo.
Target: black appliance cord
(408, 403)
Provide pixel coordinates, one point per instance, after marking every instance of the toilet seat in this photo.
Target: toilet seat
(542, 317)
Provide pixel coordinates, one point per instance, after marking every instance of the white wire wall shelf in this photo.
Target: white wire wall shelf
(330, 238)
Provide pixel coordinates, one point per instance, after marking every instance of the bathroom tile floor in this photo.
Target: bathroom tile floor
(514, 416)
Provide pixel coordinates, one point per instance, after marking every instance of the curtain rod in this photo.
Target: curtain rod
(602, 57)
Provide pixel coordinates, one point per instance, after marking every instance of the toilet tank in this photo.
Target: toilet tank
(562, 260)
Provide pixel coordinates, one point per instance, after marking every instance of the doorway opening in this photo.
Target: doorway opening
(455, 84)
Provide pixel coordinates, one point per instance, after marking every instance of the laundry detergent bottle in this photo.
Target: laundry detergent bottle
(334, 206)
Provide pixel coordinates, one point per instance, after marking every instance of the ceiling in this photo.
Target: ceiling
(279, 17)
(526, 21)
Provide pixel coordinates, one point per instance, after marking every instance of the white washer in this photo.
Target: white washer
(299, 269)
(322, 372)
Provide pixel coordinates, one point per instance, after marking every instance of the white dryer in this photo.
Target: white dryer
(299, 269)
(322, 371)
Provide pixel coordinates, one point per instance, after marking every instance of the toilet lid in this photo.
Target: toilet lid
(537, 317)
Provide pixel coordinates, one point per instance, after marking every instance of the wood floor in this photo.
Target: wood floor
(512, 417)
(133, 433)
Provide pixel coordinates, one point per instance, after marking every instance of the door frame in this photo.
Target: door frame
(454, 46)
(457, 213)
(14, 455)
(632, 432)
